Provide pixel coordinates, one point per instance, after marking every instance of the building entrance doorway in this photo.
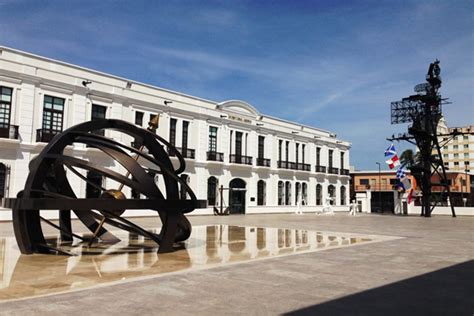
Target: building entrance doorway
(237, 192)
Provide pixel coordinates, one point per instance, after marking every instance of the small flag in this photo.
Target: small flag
(401, 172)
(393, 157)
(393, 162)
(390, 151)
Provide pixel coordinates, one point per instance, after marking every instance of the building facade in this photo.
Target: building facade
(457, 151)
(263, 164)
(378, 190)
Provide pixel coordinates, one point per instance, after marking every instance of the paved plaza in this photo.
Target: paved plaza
(421, 266)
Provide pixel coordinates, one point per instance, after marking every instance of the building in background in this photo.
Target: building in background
(377, 192)
(269, 164)
(458, 152)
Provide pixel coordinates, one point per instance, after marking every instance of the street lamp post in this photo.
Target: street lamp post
(380, 189)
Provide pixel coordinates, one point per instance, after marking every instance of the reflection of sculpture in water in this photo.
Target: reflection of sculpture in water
(109, 263)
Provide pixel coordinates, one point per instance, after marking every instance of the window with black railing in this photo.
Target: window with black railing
(293, 165)
(333, 170)
(263, 162)
(344, 172)
(53, 112)
(321, 169)
(185, 152)
(241, 159)
(6, 130)
(215, 156)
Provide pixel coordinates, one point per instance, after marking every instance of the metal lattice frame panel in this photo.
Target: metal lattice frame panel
(48, 188)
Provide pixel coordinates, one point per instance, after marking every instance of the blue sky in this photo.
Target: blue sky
(335, 65)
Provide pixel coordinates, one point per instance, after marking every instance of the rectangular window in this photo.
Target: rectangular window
(98, 113)
(184, 138)
(466, 163)
(212, 138)
(173, 131)
(455, 146)
(466, 155)
(364, 181)
(261, 146)
(280, 145)
(465, 137)
(303, 149)
(456, 163)
(393, 181)
(297, 149)
(53, 112)
(238, 144)
(139, 118)
(342, 160)
(318, 156)
(466, 145)
(5, 110)
(445, 155)
(330, 158)
(287, 151)
(456, 155)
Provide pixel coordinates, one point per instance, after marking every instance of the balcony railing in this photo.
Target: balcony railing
(333, 170)
(344, 172)
(45, 135)
(303, 166)
(293, 165)
(285, 164)
(244, 160)
(215, 156)
(263, 162)
(185, 152)
(10, 131)
(375, 187)
(321, 169)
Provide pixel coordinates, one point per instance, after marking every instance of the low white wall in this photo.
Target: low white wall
(6, 215)
(444, 210)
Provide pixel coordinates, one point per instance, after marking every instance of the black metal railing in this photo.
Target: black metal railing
(185, 152)
(285, 164)
(45, 135)
(244, 160)
(215, 156)
(344, 172)
(303, 166)
(293, 165)
(333, 170)
(263, 162)
(9, 131)
(321, 169)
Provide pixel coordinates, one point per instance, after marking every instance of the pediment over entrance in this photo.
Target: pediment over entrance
(240, 107)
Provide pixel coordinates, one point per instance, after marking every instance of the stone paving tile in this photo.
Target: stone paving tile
(285, 284)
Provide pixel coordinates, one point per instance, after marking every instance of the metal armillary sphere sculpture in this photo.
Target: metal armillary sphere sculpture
(47, 188)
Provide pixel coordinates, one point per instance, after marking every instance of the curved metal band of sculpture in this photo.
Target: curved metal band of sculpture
(47, 188)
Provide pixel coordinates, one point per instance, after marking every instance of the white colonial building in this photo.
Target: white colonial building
(264, 164)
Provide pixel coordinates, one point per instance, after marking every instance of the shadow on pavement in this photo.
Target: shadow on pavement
(449, 291)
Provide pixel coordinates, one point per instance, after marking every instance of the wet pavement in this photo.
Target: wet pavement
(255, 264)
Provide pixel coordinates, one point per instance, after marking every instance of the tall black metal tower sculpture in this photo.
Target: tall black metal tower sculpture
(424, 110)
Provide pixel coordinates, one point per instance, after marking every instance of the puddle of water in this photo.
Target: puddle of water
(136, 257)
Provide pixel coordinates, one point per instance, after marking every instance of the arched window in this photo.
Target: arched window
(304, 199)
(211, 190)
(281, 193)
(343, 195)
(261, 194)
(182, 190)
(297, 193)
(319, 194)
(288, 193)
(332, 193)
